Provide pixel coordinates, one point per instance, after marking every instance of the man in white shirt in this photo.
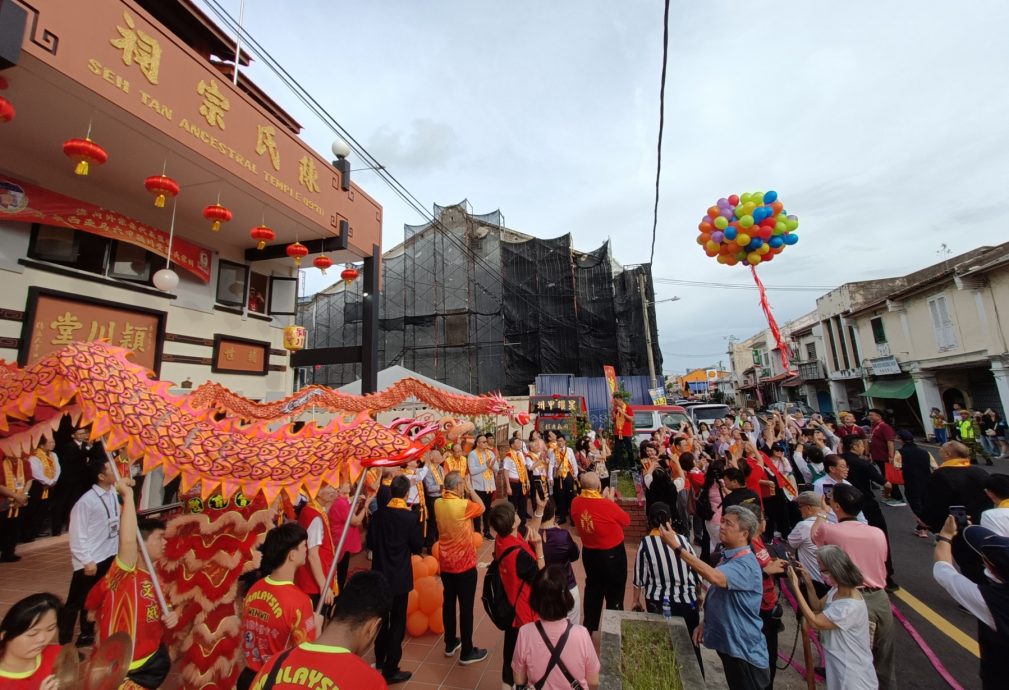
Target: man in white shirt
(516, 465)
(802, 544)
(94, 541)
(539, 468)
(837, 473)
(46, 471)
(481, 466)
(563, 472)
(997, 519)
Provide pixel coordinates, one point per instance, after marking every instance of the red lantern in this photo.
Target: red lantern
(349, 275)
(218, 214)
(85, 152)
(161, 187)
(322, 262)
(7, 111)
(296, 251)
(6, 107)
(262, 234)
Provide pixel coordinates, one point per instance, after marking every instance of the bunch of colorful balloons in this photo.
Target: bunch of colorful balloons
(747, 228)
(423, 609)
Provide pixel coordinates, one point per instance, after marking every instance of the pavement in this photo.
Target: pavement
(948, 631)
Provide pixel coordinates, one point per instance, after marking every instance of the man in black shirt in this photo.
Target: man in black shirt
(916, 465)
(862, 473)
(957, 483)
(394, 535)
(734, 481)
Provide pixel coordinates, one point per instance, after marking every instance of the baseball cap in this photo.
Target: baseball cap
(780, 446)
(992, 546)
(905, 436)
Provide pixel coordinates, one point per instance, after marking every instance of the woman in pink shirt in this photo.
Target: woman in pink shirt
(338, 514)
(578, 663)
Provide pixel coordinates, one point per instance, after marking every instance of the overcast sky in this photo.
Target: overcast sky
(882, 125)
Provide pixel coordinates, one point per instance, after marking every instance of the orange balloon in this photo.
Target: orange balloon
(425, 587)
(432, 598)
(436, 550)
(416, 624)
(706, 236)
(419, 569)
(431, 563)
(412, 602)
(435, 622)
(706, 227)
(477, 540)
(778, 207)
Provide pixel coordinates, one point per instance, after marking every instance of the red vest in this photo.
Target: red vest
(327, 551)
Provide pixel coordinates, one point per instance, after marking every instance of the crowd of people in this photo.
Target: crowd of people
(739, 510)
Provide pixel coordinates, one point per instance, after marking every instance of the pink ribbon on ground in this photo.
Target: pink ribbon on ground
(929, 654)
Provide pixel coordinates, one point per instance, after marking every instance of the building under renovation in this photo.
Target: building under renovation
(480, 307)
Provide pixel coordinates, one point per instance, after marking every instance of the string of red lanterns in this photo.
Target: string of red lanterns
(262, 235)
(322, 262)
(349, 274)
(296, 251)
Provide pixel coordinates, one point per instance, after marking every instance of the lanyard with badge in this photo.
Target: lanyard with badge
(113, 516)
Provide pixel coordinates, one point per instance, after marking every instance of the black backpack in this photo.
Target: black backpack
(495, 600)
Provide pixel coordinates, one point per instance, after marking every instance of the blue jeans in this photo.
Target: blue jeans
(940, 435)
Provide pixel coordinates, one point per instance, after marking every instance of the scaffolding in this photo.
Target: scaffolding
(480, 307)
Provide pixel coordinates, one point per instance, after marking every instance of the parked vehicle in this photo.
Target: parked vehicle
(707, 413)
(648, 418)
(789, 408)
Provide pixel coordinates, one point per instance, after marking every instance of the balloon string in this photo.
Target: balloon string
(771, 323)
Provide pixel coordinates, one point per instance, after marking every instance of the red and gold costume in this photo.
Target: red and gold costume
(327, 549)
(16, 475)
(327, 667)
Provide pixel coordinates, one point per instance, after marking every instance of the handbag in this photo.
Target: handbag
(555, 658)
(894, 475)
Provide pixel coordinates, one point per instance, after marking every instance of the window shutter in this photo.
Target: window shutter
(283, 295)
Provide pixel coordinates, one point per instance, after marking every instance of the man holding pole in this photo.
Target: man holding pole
(125, 599)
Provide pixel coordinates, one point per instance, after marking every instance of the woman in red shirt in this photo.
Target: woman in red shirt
(519, 560)
(27, 655)
(770, 609)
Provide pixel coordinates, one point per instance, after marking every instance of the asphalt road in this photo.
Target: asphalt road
(912, 557)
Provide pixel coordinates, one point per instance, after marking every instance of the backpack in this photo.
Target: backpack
(494, 598)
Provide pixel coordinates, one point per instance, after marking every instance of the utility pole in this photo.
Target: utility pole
(648, 329)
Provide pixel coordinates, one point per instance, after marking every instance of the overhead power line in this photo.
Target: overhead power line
(662, 124)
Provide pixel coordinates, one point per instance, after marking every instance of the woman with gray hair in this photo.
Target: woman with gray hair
(842, 618)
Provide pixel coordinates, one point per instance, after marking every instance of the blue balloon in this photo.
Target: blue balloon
(791, 238)
(770, 197)
(755, 243)
(776, 242)
(759, 214)
(730, 233)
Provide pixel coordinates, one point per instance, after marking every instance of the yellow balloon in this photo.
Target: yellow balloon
(742, 239)
(763, 249)
(753, 258)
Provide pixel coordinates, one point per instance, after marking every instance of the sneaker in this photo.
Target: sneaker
(488, 536)
(474, 655)
(452, 647)
(894, 503)
(397, 677)
(923, 533)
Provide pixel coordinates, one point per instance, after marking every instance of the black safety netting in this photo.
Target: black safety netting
(482, 308)
(633, 354)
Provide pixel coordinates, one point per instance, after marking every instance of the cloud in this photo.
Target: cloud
(422, 145)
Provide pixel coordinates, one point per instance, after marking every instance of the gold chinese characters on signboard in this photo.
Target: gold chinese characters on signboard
(239, 356)
(138, 47)
(59, 321)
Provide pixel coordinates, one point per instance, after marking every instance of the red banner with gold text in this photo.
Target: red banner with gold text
(20, 201)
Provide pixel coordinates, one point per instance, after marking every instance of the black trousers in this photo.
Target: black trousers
(537, 493)
(80, 586)
(564, 493)
(10, 528)
(38, 512)
(460, 588)
(389, 642)
(623, 457)
(742, 675)
(486, 497)
(245, 679)
(511, 637)
(518, 499)
(432, 524)
(342, 566)
(605, 578)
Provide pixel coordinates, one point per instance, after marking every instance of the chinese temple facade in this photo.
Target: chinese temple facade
(131, 150)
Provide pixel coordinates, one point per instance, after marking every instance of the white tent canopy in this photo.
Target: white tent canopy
(394, 374)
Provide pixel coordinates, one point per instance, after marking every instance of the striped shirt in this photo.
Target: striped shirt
(660, 571)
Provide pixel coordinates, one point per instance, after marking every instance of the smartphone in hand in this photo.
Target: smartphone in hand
(828, 492)
(959, 514)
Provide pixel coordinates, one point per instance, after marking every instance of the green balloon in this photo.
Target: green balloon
(746, 221)
(721, 222)
(741, 256)
(744, 198)
(791, 224)
(780, 227)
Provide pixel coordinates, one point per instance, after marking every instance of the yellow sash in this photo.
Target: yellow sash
(520, 468)
(956, 462)
(589, 493)
(397, 503)
(488, 474)
(14, 478)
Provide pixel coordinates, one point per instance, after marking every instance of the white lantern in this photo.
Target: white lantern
(166, 280)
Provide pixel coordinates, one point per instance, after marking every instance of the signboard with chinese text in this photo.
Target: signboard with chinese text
(658, 395)
(118, 51)
(885, 366)
(234, 355)
(547, 404)
(565, 425)
(38, 205)
(53, 320)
